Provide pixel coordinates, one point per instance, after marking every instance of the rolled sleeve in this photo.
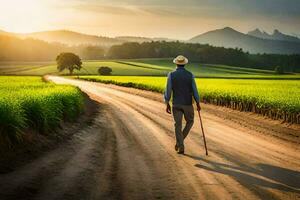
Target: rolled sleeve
(195, 91)
(168, 91)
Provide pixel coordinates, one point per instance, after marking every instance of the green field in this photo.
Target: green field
(277, 99)
(245, 89)
(143, 67)
(30, 103)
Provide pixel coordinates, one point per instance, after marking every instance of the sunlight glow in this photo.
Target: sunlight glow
(21, 15)
(143, 18)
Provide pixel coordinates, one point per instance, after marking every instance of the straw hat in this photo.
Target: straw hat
(180, 60)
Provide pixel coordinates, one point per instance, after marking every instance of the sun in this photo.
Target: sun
(20, 15)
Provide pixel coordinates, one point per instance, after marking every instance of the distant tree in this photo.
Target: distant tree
(104, 71)
(279, 70)
(69, 61)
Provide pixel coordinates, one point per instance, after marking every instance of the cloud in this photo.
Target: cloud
(213, 9)
(157, 16)
(107, 9)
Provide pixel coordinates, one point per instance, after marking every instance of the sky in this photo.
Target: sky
(176, 19)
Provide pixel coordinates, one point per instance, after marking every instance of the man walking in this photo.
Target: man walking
(181, 84)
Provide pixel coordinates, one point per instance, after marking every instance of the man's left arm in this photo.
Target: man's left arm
(196, 94)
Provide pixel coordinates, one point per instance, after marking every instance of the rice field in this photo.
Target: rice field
(143, 67)
(29, 103)
(276, 99)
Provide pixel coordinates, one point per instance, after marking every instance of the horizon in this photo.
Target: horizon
(142, 36)
(147, 18)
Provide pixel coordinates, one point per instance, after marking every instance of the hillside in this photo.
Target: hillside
(133, 39)
(231, 38)
(75, 38)
(13, 48)
(72, 38)
(5, 33)
(142, 39)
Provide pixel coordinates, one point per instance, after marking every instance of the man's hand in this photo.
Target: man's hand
(198, 107)
(168, 109)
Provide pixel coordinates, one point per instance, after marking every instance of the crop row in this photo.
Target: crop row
(29, 103)
(276, 99)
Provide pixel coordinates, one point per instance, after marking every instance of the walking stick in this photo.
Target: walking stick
(203, 133)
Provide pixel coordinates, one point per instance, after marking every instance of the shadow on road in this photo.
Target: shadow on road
(256, 178)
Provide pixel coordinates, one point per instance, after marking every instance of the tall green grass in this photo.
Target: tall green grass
(276, 99)
(29, 103)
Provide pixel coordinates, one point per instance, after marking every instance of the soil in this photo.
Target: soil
(35, 144)
(127, 152)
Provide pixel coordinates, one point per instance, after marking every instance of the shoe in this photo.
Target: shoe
(176, 147)
(181, 151)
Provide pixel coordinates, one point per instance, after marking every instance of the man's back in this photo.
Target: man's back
(182, 86)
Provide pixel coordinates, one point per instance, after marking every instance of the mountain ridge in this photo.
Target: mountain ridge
(255, 41)
(71, 38)
(276, 35)
(231, 38)
(75, 38)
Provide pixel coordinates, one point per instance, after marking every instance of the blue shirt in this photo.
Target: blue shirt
(169, 88)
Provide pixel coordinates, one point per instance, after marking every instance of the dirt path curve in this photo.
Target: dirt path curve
(128, 153)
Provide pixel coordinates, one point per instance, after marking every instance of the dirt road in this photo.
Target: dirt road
(128, 153)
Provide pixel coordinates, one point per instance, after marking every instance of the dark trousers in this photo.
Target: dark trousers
(180, 111)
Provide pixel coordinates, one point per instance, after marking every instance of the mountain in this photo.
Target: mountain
(277, 35)
(230, 38)
(6, 33)
(134, 39)
(72, 38)
(142, 39)
(260, 34)
(75, 38)
(254, 42)
(280, 36)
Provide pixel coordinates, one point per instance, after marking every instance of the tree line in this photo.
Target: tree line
(206, 54)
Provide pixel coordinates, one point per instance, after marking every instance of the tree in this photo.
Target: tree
(69, 61)
(105, 71)
(279, 70)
